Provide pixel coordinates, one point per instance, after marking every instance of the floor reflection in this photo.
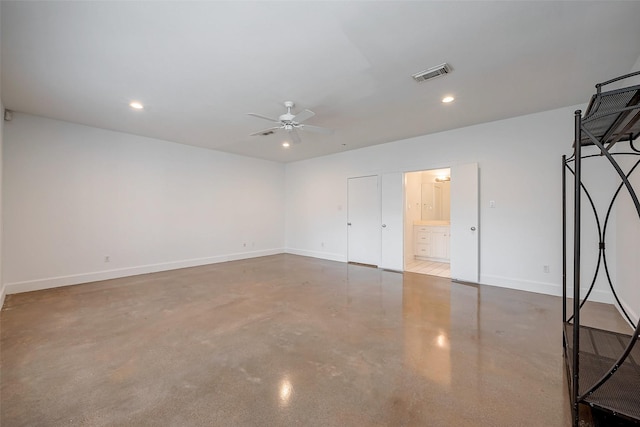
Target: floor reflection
(426, 329)
(285, 391)
(436, 315)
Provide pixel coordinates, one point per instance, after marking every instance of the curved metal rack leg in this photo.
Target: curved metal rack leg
(576, 269)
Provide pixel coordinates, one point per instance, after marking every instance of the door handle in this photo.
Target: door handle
(349, 224)
(384, 225)
(473, 229)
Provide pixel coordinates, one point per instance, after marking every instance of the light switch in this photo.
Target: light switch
(492, 203)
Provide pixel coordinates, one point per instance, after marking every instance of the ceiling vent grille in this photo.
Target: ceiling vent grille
(432, 73)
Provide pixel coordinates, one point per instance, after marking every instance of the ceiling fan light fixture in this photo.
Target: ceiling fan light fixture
(286, 144)
(448, 99)
(136, 105)
(291, 123)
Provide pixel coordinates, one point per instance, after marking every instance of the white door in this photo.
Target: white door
(464, 223)
(363, 223)
(392, 229)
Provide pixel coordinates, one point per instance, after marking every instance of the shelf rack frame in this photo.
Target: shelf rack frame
(603, 367)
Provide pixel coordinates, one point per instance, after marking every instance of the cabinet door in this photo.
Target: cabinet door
(447, 244)
(438, 245)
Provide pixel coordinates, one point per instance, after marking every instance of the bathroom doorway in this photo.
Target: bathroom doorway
(427, 219)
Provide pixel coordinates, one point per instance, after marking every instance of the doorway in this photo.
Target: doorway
(445, 235)
(363, 220)
(427, 219)
(375, 220)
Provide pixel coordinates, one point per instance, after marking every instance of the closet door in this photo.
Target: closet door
(392, 227)
(464, 223)
(363, 223)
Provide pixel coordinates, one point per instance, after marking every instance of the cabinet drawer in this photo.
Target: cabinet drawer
(422, 237)
(422, 250)
(419, 228)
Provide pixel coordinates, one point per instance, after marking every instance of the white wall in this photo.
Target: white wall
(75, 194)
(520, 168)
(600, 181)
(627, 238)
(628, 234)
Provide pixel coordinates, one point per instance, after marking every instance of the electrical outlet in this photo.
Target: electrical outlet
(244, 245)
(545, 268)
(322, 244)
(107, 258)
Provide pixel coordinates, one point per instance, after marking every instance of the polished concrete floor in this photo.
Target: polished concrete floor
(283, 340)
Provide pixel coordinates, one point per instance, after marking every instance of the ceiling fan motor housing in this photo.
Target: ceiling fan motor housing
(291, 122)
(287, 117)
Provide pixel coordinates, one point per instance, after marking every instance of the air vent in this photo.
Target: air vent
(432, 73)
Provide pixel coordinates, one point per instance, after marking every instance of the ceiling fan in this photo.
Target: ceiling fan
(291, 123)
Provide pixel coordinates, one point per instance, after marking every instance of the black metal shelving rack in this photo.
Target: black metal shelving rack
(603, 367)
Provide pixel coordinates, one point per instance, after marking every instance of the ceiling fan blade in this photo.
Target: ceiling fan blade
(260, 116)
(303, 115)
(294, 136)
(263, 131)
(317, 129)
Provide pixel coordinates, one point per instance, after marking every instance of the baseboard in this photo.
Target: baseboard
(315, 254)
(597, 295)
(252, 254)
(632, 313)
(2, 295)
(521, 285)
(541, 287)
(76, 279)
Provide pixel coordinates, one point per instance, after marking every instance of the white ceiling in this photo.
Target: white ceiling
(199, 67)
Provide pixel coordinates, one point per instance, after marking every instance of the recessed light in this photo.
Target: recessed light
(136, 105)
(448, 99)
(286, 144)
